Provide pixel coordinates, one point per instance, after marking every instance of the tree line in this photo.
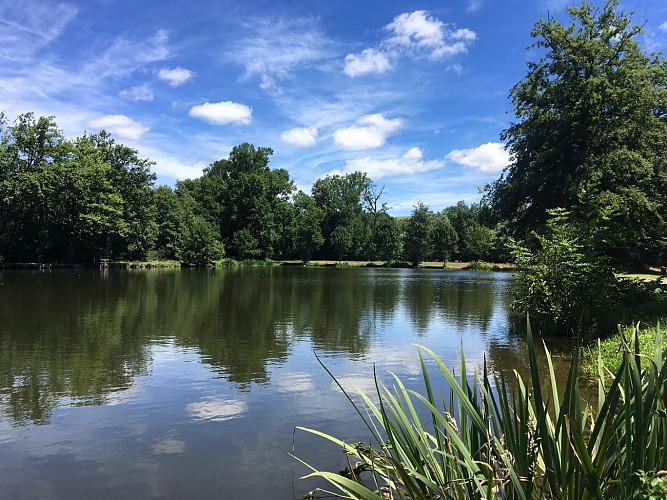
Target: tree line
(79, 200)
(589, 137)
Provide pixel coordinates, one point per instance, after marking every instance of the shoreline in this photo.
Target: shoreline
(170, 264)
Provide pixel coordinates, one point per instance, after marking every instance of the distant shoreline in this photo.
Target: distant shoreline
(170, 264)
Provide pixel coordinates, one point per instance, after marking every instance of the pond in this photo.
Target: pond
(189, 383)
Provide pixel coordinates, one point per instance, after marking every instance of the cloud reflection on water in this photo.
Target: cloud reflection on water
(217, 409)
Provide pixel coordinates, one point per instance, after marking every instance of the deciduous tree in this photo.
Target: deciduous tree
(589, 135)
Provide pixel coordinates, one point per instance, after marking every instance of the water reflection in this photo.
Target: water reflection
(84, 338)
(189, 383)
(217, 409)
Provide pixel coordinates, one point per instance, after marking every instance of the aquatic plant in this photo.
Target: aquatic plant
(487, 436)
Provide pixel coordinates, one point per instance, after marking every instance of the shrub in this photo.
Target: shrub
(563, 284)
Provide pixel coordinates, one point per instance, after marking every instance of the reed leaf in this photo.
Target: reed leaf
(490, 437)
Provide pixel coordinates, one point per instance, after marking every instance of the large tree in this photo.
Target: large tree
(342, 199)
(245, 199)
(75, 200)
(590, 135)
(418, 232)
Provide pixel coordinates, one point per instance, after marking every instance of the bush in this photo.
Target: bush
(480, 266)
(563, 284)
(198, 244)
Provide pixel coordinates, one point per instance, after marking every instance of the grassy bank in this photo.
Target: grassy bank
(479, 266)
(611, 350)
(228, 262)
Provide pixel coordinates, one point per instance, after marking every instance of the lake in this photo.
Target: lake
(189, 383)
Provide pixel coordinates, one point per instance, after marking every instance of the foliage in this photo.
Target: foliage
(387, 239)
(463, 216)
(78, 200)
(478, 239)
(307, 226)
(589, 136)
(243, 197)
(342, 198)
(480, 266)
(341, 240)
(491, 437)
(417, 238)
(198, 244)
(562, 285)
(444, 238)
(71, 200)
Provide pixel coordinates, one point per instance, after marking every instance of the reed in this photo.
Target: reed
(485, 436)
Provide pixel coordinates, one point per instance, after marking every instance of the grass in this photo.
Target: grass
(146, 264)
(611, 349)
(645, 277)
(422, 265)
(486, 436)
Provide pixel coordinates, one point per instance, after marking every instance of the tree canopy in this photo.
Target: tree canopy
(590, 135)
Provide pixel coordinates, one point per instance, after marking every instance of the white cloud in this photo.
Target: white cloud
(120, 125)
(274, 48)
(663, 26)
(489, 158)
(138, 93)
(222, 113)
(300, 136)
(412, 162)
(168, 446)
(175, 76)
(296, 382)
(418, 32)
(416, 28)
(368, 61)
(173, 166)
(371, 134)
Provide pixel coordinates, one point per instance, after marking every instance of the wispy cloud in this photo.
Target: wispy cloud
(121, 125)
(411, 162)
(223, 113)
(274, 49)
(300, 136)
(175, 76)
(473, 5)
(126, 55)
(30, 24)
(371, 132)
(489, 158)
(138, 93)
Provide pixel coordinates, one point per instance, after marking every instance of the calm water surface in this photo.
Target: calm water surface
(188, 383)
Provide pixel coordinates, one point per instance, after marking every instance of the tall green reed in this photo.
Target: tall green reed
(487, 436)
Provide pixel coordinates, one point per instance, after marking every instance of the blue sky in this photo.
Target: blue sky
(414, 93)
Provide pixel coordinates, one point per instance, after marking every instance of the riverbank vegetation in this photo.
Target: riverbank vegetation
(489, 436)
